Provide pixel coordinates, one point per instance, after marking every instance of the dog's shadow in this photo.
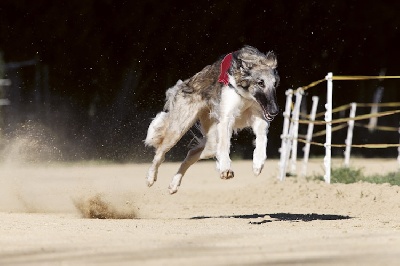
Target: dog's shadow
(274, 217)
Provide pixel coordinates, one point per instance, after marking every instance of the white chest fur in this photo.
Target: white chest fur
(234, 108)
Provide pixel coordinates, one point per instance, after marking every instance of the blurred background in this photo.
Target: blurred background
(87, 76)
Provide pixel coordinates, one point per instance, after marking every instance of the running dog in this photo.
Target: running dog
(236, 92)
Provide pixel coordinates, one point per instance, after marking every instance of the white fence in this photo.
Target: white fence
(290, 137)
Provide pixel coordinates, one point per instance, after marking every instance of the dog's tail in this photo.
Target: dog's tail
(156, 131)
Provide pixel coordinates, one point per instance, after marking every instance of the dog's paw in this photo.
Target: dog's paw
(149, 182)
(227, 174)
(172, 189)
(151, 177)
(175, 183)
(257, 169)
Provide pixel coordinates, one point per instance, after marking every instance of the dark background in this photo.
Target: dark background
(88, 76)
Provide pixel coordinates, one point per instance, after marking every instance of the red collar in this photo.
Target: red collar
(225, 65)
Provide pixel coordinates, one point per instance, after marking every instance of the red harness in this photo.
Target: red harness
(225, 65)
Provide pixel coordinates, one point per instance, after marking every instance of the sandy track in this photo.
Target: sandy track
(246, 220)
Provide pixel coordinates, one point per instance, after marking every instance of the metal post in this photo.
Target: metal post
(310, 129)
(349, 139)
(328, 120)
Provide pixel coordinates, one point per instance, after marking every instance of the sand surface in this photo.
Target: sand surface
(244, 221)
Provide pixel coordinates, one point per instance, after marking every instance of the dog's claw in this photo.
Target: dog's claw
(228, 174)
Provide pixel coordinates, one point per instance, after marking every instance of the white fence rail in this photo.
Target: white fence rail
(290, 137)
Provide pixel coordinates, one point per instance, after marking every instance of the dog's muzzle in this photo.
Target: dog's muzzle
(267, 115)
(266, 107)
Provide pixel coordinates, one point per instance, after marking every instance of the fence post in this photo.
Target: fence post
(285, 131)
(328, 120)
(373, 121)
(310, 129)
(290, 138)
(295, 118)
(349, 139)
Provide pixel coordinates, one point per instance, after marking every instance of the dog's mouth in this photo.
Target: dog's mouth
(263, 102)
(268, 116)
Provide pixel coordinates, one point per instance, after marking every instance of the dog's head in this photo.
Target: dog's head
(256, 78)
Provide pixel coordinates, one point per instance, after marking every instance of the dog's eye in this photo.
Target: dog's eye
(261, 83)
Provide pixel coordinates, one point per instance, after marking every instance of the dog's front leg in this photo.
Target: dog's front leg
(223, 148)
(230, 104)
(260, 129)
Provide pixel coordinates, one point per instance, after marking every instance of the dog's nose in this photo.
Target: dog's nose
(274, 109)
(274, 113)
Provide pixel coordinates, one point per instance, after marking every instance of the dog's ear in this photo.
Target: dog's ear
(246, 59)
(245, 65)
(271, 60)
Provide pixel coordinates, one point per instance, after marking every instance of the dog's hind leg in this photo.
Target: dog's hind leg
(193, 155)
(168, 130)
(155, 138)
(170, 138)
